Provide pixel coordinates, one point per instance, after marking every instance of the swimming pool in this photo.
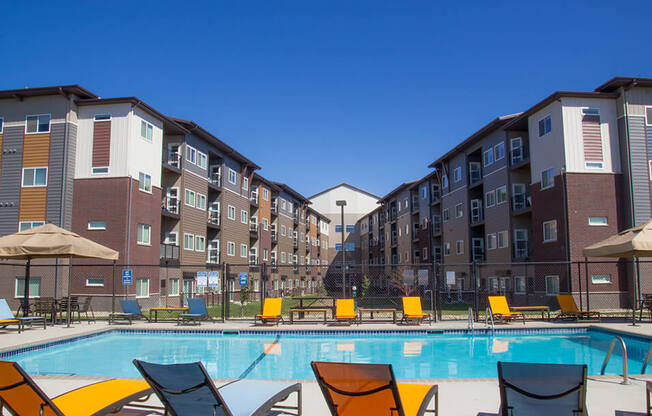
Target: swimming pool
(283, 355)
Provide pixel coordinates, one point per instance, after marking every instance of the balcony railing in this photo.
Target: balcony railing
(174, 159)
(274, 236)
(307, 246)
(521, 249)
(520, 201)
(253, 259)
(214, 217)
(274, 206)
(392, 215)
(436, 195)
(213, 256)
(253, 226)
(169, 252)
(436, 227)
(254, 197)
(171, 205)
(216, 179)
(295, 243)
(519, 155)
(478, 254)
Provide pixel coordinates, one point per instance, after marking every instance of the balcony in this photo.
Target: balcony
(521, 203)
(478, 254)
(170, 208)
(215, 181)
(475, 173)
(253, 259)
(519, 157)
(213, 256)
(435, 196)
(253, 198)
(253, 230)
(521, 249)
(274, 235)
(307, 246)
(274, 206)
(382, 245)
(295, 243)
(436, 227)
(169, 253)
(295, 217)
(392, 215)
(172, 162)
(213, 220)
(415, 205)
(394, 239)
(274, 265)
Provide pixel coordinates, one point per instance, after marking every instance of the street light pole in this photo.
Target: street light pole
(342, 204)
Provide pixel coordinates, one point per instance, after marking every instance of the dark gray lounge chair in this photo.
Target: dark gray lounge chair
(187, 390)
(197, 312)
(542, 389)
(130, 311)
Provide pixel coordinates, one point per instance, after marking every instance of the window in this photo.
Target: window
(265, 224)
(171, 238)
(142, 288)
(552, 285)
(350, 246)
(28, 225)
(458, 211)
(202, 160)
(200, 243)
(145, 182)
(265, 254)
(265, 194)
(173, 287)
(491, 241)
(97, 225)
(201, 201)
(244, 217)
(94, 281)
(600, 279)
(545, 126)
(447, 249)
(444, 181)
(34, 287)
(350, 228)
(190, 198)
(245, 184)
(282, 256)
(283, 230)
(188, 241)
(146, 131)
(425, 253)
(1, 123)
(191, 154)
(243, 250)
(338, 228)
(499, 151)
(35, 177)
(99, 171)
(232, 176)
(445, 214)
(459, 247)
(424, 192)
(338, 246)
(598, 221)
(548, 178)
(490, 199)
(144, 236)
(37, 124)
(230, 248)
(550, 231)
(457, 174)
(519, 284)
(231, 212)
(503, 239)
(501, 195)
(488, 157)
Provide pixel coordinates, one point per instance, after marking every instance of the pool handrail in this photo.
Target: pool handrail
(647, 359)
(623, 347)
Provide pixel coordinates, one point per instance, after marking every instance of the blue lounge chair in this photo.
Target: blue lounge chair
(130, 311)
(187, 390)
(542, 389)
(7, 318)
(196, 312)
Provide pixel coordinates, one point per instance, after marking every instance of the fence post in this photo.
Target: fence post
(225, 288)
(579, 282)
(586, 272)
(263, 285)
(475, 288)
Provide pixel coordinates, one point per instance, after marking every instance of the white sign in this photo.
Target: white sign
(408, 277)
(450, 278)
(202, 279)
(214, 279)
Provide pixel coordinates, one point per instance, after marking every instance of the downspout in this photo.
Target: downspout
(127, 251)
(565, 203)
(632, 210)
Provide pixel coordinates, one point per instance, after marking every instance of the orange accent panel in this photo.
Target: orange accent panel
(32, 204)
(36, 150)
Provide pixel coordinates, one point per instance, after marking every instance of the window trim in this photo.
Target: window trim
(457, 174)
(458, 244)
(461, 211)
(486, 200)
(553, 178)
(549, 115)
(235, 177)
(504, 187)
(497, 145)
(31, 224)
(230, 208)
(96, 228)
(37, 123)
(485, 160)
(244, 216)
(170, 286)
(2, 123)
(148, 287)
(606, 222)
(185, 197)
(144, 189)
(94, 284)
(545, 279)
(203, 239)
(544, 231)
(22, 179)
(97, 170)
(147, 124)
(192, 240)
(601, 283)
(230, 244)
(31, 295)
(142, 243)
(506, 239)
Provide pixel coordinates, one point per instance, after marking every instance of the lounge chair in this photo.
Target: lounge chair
(542, 389)
(569, 308)
(271, 311)
(345, 311)
(499, 309)
(187, 390)
(371, 389)
(130, 311)
(21, 396)
(196, 312)
(412, 312)
(648, 393)
(7, 318)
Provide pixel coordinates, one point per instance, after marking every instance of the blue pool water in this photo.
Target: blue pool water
(285, 356)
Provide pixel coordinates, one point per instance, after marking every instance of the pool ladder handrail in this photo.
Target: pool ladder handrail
(489, 317)
(470, 321)
(623, 347)
(647, 359)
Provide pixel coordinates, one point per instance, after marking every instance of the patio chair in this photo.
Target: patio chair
(569, 308)
(412, 312)
(45, 306)
(197, 312)
(371, 389)
(499, 309)
(21, 396)
(85, 308)
(7, 318)
(187, 390)
(130, 311)
(62, 307)
(345, 311)
(271, 311)
(542, 389)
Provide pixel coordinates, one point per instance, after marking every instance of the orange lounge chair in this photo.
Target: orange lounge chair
(345, 311)
(412, 312)
(371, 389)
(271, 311)
(499, 309)
(22, 397)
(569, 308)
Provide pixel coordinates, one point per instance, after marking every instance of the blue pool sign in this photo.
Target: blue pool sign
(127, 277)
(213, 279)
(202, 279)
(244, 278)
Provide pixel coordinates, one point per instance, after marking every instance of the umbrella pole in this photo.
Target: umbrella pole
(113, 288)
(635, 285)
(69, 292)
(26, 289)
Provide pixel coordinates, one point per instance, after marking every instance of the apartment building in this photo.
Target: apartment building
(536, 186)
(169, 196)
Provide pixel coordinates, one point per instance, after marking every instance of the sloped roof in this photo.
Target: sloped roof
(346, 185)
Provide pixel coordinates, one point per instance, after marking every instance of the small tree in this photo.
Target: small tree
(365, 285)
(398, 282)
(244, 297)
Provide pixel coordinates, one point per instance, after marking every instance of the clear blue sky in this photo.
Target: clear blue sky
(319, 92)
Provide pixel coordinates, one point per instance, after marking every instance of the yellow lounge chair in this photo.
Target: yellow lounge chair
(21, 396)
(569, 308)
(345, 311)
(371, 389)
(271, 311)
(499, 309)
(412, 312)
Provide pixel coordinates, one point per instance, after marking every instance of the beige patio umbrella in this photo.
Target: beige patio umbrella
(50, 241)
(634, 242)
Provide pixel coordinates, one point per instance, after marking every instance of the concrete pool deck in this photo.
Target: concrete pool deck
(605, 395)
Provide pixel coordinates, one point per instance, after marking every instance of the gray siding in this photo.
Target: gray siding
(70, 176)
(201, 146)
(640, 170)
(10, 176)
(231, 164)
(55, 173)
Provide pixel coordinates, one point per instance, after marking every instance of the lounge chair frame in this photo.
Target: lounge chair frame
(191, 317)
(409, 319)
(266, 319)
(577, 314)
(20, 321)
(125, 316)
(502, 317)
(346, 319)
